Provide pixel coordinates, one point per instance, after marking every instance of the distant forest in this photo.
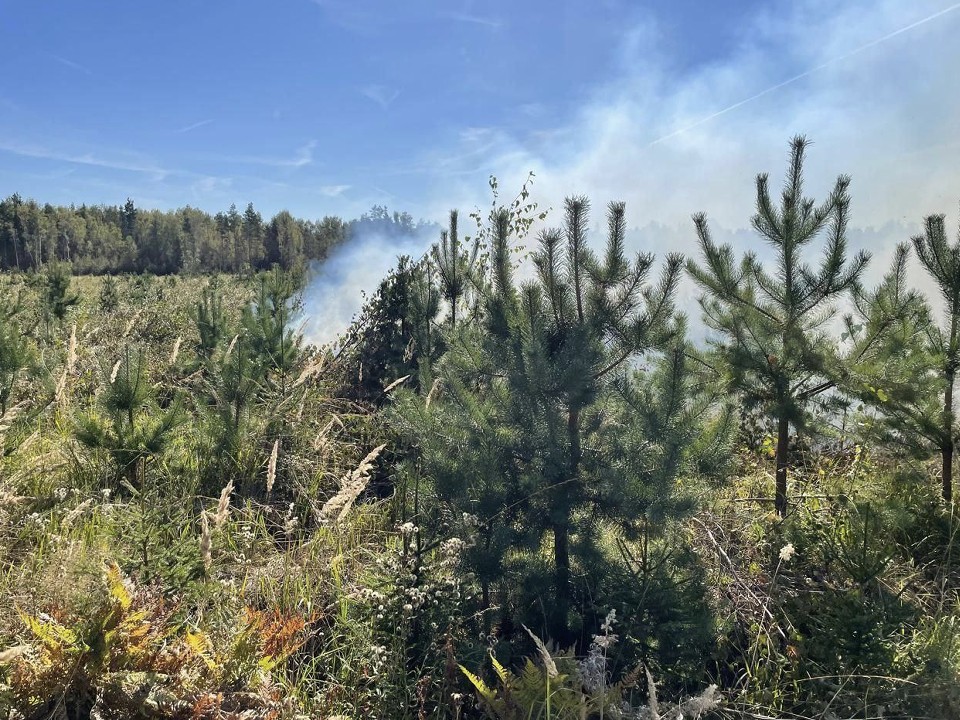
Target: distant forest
(99, 239)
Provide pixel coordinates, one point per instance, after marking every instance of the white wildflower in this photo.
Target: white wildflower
(453, 546)
(787, 552)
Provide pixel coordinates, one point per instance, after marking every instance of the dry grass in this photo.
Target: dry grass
(351, 486)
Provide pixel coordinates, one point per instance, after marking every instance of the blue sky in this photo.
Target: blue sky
(328, 106)
(318, 106)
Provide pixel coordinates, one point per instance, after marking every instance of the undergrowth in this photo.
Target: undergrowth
(245, 562)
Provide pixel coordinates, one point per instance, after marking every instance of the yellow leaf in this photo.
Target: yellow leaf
(485, 692)
(51, 632)
(501, 671)
(200, 644)
(118, 591)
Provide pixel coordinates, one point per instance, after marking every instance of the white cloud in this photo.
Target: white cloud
(333, 190)
(490, 22)
(380, 94)
(210, 185)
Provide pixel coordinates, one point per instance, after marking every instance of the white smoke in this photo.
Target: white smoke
(338, 286)
(873, 84)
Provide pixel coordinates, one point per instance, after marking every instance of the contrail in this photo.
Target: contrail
(804, 74)
(194, 126)
(71, 64)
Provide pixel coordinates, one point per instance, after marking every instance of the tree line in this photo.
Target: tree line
(98, 239)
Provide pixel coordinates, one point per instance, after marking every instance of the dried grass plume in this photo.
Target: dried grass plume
(351, 485)
(272, 466)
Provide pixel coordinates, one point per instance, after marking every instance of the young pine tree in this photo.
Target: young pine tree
(776, 346)
(274, 343)
(911, 380)
(211, 322)
(941, 260)
(57, 297)
(893, 365)
(231, 383)
(16, 355)
(109, 294)
(515, 434)
(128, 425)
(394, 336)
(455, 266)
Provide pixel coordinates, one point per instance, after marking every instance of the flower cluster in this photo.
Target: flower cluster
(422, 586)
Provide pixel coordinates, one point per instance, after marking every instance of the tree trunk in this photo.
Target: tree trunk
(559, 629)
(561, 556)
(783, 446)
(947, 449)
(485, 581)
